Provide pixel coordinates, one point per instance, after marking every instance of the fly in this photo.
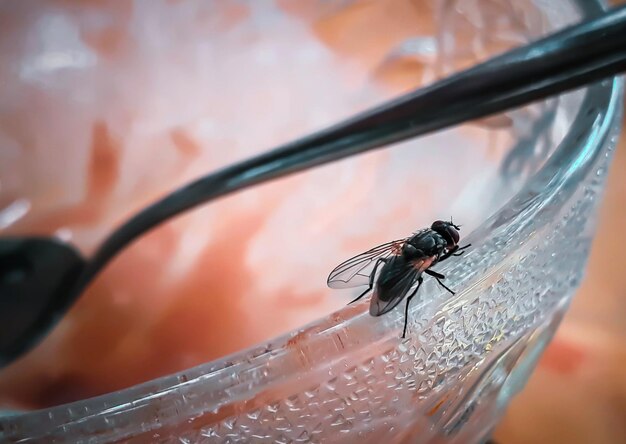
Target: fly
(403, 263)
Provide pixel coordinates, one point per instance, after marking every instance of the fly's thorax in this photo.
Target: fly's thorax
(423, 244)
(410, 251)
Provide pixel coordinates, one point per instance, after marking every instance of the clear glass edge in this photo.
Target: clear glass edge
(241, 368)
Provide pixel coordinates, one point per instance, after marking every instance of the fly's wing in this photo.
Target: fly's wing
(395, 294)
(356, 271)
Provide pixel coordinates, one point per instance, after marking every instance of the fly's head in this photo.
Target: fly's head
(448, 230)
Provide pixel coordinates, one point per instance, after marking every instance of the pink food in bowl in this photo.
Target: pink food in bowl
(122, 118)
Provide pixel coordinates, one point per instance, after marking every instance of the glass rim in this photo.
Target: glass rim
(243, 374)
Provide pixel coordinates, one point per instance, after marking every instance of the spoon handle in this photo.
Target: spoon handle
(569, 59)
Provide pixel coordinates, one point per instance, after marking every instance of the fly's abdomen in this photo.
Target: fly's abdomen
(390, 276)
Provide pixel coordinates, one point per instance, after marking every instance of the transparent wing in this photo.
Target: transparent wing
(395, 294)
(356, 271)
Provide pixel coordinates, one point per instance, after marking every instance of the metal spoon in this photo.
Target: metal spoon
(40, 278)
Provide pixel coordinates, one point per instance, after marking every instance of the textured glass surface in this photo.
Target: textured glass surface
(348, 377)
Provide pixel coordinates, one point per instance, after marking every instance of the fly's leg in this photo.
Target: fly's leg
(434, 274)
(449, 253)
(438, 277)
(460, 251)
(371, 284)
(408, 301)
(456, 251)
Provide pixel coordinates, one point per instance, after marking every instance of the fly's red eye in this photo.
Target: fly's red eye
(438, 224)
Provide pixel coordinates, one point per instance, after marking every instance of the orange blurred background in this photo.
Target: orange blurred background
(577, 393)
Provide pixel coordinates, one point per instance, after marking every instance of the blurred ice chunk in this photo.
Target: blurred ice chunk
(57, 46)
(423, 48)
(412, 61)
(13, 212)
(63, 234)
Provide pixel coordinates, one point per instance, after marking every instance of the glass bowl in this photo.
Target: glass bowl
(525, 185)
